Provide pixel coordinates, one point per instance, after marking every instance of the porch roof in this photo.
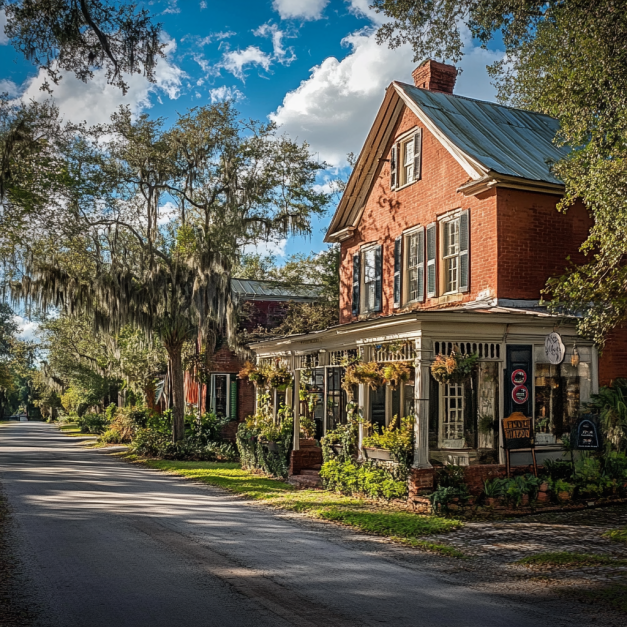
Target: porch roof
(247, 289)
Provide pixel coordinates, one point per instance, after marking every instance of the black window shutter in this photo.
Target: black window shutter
(431, 262)
(420, 268)
(418, 155)
(393, 167)
(464, 251)
(398, 263)
(356, 281)
(378, 273)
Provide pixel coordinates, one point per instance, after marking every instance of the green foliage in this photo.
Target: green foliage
(151, 443)
(558, 469)
(450, 476)
(205, 428)
(617, 535)
(566, 559)
(444, 496)
(560, 485)
(398, 439)
(345, 437)
(92, 423)
(610, 404)
(349, 477)
(454, 368)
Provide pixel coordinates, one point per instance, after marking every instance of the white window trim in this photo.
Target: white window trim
(450, 216)
(212, 391)
(406, 234)
(399, 157)
(363, 310)
(452, 444)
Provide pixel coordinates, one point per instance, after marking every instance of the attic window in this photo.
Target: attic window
(406, 160)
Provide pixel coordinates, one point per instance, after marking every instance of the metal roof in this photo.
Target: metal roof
(247, 289)
(505, 140)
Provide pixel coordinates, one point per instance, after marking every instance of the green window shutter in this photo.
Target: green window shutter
(418, 155)
(233, 403)
(356, 282)
(420, 268)
(398, 262)
(464, 251)
(431, 260)
(393, 168)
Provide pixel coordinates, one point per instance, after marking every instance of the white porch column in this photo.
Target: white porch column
(363, 400)
(296, 443)
(421, 405)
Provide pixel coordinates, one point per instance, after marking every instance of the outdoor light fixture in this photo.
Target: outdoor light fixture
(574, 360)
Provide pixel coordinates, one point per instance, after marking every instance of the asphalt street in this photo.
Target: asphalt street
(108, 544)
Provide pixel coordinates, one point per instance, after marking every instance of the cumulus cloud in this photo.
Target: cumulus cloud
(203, 5)
(220, 94)
(303, 9)
(334, 108)
(28, 329)
(235, 61)
(95, 101)
(280, 53)
(8, 87)
(3, 22)
(276, 248)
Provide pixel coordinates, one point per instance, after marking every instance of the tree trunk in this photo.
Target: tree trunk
(178, 393)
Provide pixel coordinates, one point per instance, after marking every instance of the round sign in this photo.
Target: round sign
(519, 377)
(520, 394)
(554, 348)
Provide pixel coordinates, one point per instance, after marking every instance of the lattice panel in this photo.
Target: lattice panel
(404, 351)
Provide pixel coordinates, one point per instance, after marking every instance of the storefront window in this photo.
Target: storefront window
(557, 400)
(336, 398)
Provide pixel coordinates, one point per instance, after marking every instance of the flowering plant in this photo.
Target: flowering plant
(453, 368)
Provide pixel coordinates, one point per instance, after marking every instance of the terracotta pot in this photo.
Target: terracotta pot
(544, 487)
(524, 501)
(543, 497)
(491, 501)
(564, 496)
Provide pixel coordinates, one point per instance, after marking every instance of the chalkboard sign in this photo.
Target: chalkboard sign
(518, 434)
(586, 435)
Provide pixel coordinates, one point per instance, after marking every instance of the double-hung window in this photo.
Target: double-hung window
(454, 246)
(406, 159)
(415, 265)
(367, 280)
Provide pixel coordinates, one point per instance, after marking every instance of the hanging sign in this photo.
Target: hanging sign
(518, 434)
(519, 377)
(586, 435)
(554, 348)
(520, 394)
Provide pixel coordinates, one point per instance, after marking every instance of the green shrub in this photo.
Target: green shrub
(111, 436)
(445, 496)
(558, 469)
(92, 423)
(370, 479)
(399, 440)
(150, 443)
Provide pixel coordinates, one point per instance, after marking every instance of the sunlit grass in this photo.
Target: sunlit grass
(382, 520)
(618, 535)
(566, 559)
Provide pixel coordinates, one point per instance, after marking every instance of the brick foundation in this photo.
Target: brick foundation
(305, 457)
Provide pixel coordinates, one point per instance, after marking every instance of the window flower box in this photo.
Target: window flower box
(378, 454)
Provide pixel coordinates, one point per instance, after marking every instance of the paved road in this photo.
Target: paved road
(109, 544)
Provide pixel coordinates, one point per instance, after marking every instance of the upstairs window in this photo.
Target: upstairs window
(406, 160)
(454, 245)
(367, 275)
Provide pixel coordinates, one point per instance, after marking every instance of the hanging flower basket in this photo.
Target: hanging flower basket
(368, 373)
(397, 371)
(279, 378)
(255, 374)
(453, 368)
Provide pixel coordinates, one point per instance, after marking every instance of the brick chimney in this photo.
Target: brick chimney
(435, 76)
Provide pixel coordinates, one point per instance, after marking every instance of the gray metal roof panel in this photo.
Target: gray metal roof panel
(509, 141)
(248, 288)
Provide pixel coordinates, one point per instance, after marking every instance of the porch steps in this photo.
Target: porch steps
(308, 478)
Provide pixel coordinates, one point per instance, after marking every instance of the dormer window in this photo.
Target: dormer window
(405, 159)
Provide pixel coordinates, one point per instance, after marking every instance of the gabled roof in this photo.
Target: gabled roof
(496, 145)
(247, 289)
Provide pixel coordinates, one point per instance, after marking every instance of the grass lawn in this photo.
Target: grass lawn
(72, 429)
(369, 517)
(565, 559)
(618, 535)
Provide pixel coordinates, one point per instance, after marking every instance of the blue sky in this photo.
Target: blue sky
(311, 65)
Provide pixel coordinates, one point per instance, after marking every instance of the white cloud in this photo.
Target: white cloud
(3, 22)
(304, 9)
(235, 61)
(334, 108)
(203, 5)
(28, 329)
(280, 53)
(9, 87)
(267, 248)
(219, 94)
(172, 7)
(361, 8)
(95, 101)
(166, 213)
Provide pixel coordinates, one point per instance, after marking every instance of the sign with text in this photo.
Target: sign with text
(586, 435)
(520, 394)
(554, 348)
(518, 431)
(518, 434)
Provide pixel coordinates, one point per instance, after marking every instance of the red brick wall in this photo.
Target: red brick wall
(388, 213)
(534, 240)
(305, 458)
(517, 239)
(613, 359)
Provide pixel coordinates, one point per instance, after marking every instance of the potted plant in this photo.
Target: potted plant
(363, 372)
(493, 490)
(395, 372)
(258, 375)
(392, 443)
(453, 368)
(563, 490)
(279, 377)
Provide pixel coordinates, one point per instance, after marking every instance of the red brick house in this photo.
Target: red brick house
(225, 394)
(449, 231)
